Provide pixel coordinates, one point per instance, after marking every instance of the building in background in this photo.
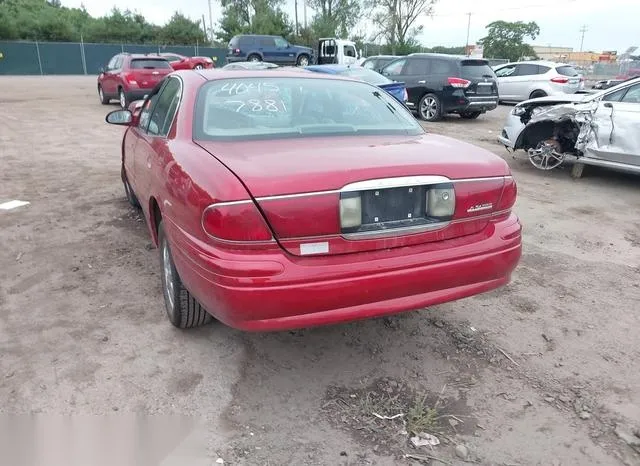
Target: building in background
(551, 53)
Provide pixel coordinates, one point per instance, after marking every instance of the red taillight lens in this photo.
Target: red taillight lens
(559, 80)
(235, 221)
(477, 198)
(130, 78)
(236, 51)
(458, 83)
(303, 216)
(509, 195)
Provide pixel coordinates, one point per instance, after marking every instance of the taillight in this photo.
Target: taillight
(130, 78)
(478, 197)
(235, 221)
(236, 51)
(559, 80)
(303, 216)
(458, 83)
(509, 195)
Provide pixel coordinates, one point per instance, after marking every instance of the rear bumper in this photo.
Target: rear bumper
(276, 291)
(137, 94)
(471, 104)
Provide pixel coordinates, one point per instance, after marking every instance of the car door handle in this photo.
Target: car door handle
(422, 82)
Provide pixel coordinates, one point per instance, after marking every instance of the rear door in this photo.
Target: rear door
(149, 71)
(415, 75)
(617, 120)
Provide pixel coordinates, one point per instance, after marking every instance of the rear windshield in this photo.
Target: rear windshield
(475, 69)
(567, 70)
(366, 75)
(275, 108)
(149, 63)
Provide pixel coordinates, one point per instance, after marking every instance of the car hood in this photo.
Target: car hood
(554, 99)
(301, 165)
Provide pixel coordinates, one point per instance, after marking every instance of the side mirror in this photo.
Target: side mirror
(288, 45)
(119, 117)
(608, 105)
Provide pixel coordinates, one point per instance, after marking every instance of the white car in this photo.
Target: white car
(590, 129)
(531, 79)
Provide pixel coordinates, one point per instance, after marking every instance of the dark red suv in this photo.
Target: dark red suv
(130, 77)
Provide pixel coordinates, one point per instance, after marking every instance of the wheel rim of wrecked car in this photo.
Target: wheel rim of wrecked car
(123, 101)
(545, 157)
(168, 273)
(429, 107)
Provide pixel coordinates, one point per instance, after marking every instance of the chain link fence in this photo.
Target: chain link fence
(45, 58)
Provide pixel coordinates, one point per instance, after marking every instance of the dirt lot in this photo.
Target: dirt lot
(542, 372)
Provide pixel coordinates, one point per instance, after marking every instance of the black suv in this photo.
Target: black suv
(439, 84)
(274, 49)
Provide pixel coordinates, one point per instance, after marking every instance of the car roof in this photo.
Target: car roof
(152, 56)
(384, 56)
(329, 68)
(551, 64)
(446, 56)
(214, 74)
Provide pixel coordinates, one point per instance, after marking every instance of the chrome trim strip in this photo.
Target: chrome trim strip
(395, 231)
(218, 204)
(289, 196)
(398, 182)
(419, 179)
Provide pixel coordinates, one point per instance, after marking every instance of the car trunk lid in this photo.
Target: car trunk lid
(482, 79)
(148, 72)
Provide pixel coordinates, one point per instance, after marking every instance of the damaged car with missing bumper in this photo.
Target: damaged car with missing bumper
(601, 129)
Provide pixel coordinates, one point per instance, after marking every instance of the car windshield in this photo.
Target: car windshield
(366, 75)
(149, 63)
(474, 69)
(265, 107)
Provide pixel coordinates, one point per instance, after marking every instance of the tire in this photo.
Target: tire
(122, 98)
(128, 191)
(198, 67)
(538, 93)
(303, 60)
(470, 115)
(254, 58)
(183, 310)
(103, 100)
(430, 108)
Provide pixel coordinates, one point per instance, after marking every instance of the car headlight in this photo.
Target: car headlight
(518, 110)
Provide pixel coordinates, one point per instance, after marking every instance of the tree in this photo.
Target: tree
(506, 40)
(334, 18)
(255, 16)
(395, 20)
(181, 30)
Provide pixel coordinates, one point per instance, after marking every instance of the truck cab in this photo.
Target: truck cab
(333, 51)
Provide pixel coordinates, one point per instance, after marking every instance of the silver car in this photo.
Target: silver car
(530, 79)
(599, 129)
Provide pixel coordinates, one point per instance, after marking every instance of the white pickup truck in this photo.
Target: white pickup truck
(337, 52)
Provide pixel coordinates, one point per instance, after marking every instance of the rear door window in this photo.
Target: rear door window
(149, 64)
(476, 69)
(442, 67)
(526, 69)
(417, 67)
(567, 71)
(266, 42)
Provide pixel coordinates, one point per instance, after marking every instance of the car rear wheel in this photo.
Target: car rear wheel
(183, 310)
(303, 60)
(103, 100)
(198, 67)
(254, 58)
(538, 93)
(430, 108)
(470, 115)
(122, 97)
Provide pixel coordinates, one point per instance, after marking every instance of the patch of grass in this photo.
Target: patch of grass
(421, 417)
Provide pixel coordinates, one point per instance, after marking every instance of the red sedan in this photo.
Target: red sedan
(281, 199)
(180, 62)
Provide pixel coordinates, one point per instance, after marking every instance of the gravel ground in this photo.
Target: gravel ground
(541, 372)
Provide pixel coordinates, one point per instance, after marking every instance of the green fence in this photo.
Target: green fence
(40, 58)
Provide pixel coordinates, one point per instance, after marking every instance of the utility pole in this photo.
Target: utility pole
(296, 7)
(583, 29)
(210, 20)
(466, 49)
(305, 14)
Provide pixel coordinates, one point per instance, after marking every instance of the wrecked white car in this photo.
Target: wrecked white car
(601, 129)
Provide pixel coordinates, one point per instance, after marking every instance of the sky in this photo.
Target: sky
(611, 24)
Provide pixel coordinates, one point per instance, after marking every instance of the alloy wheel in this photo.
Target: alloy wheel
(429, 108)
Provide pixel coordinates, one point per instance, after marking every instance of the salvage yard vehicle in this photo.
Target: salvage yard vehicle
(274, 49)
(130, 77)
(249, 65)
(180, 62)
(531, 79)
(601, 129)
(394, 88)
(337, 52)
(378, 62)
(282, 199)
(438, 84)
